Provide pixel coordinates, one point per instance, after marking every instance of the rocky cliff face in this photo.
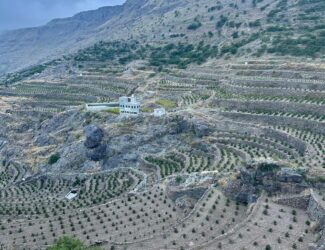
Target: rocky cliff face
(268, 177)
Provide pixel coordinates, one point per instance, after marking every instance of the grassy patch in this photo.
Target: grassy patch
(167, 104)
(146, 110)
(115, 111)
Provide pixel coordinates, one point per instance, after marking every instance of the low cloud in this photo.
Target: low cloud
(16, 14)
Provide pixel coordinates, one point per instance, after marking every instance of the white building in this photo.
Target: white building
(159, 112)
(129, 105)
(101, 106)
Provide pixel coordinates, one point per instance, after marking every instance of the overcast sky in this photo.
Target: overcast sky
(28, 13)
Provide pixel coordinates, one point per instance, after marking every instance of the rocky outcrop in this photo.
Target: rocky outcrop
(96, 150)
(289, 175)
(94, 136)
(179, 125)
(201, 129)
(193, 193)
(241, 192)
(268, 177)
(97, 153)
(300, 201)
(278, 180)
(182, 125)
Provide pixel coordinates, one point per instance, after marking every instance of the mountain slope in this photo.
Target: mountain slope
(246, 27)
(25, 47)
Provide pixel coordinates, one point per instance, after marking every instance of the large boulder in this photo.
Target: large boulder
(246, 176)
(96, 149)
(237, 190)
(94, 136)
(201, 129)
(289, 175)
(97, 153)
(246, 197)
(179, 125)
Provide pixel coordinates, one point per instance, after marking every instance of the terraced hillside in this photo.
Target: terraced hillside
(161, 183)
(237, 161)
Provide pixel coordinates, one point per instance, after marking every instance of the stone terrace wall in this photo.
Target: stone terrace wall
(299, 201)
(316, 210)
(298, 144)
(273, 91)
(317, 127)
(273, 83)
(232, 126)
(271, 106)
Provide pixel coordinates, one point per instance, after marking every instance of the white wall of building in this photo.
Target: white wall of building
(129, 105)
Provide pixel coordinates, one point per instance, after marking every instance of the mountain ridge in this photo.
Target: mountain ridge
(257, 27)
(53, 33)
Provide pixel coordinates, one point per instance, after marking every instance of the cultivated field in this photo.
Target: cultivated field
(233, 113)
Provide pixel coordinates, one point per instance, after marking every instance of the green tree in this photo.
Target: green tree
(68, 243)
(54, 158)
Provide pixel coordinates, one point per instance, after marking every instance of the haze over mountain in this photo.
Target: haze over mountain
(16, 14)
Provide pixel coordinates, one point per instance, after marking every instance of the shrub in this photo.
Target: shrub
(68, 243)
(179, 179)
(194, 26)
(53, 158)
(221, 22)
(256, 23)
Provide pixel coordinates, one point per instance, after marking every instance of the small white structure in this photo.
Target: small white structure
(159, 112)
(129, 105)
(72, 194)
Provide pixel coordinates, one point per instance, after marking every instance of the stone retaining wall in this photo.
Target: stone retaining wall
(284, 92)
(301, 201)
(238, 127)
(298, 144)
(316, 210)
(318, 127)
(292, 83)
(271, 106)
(307, 201)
